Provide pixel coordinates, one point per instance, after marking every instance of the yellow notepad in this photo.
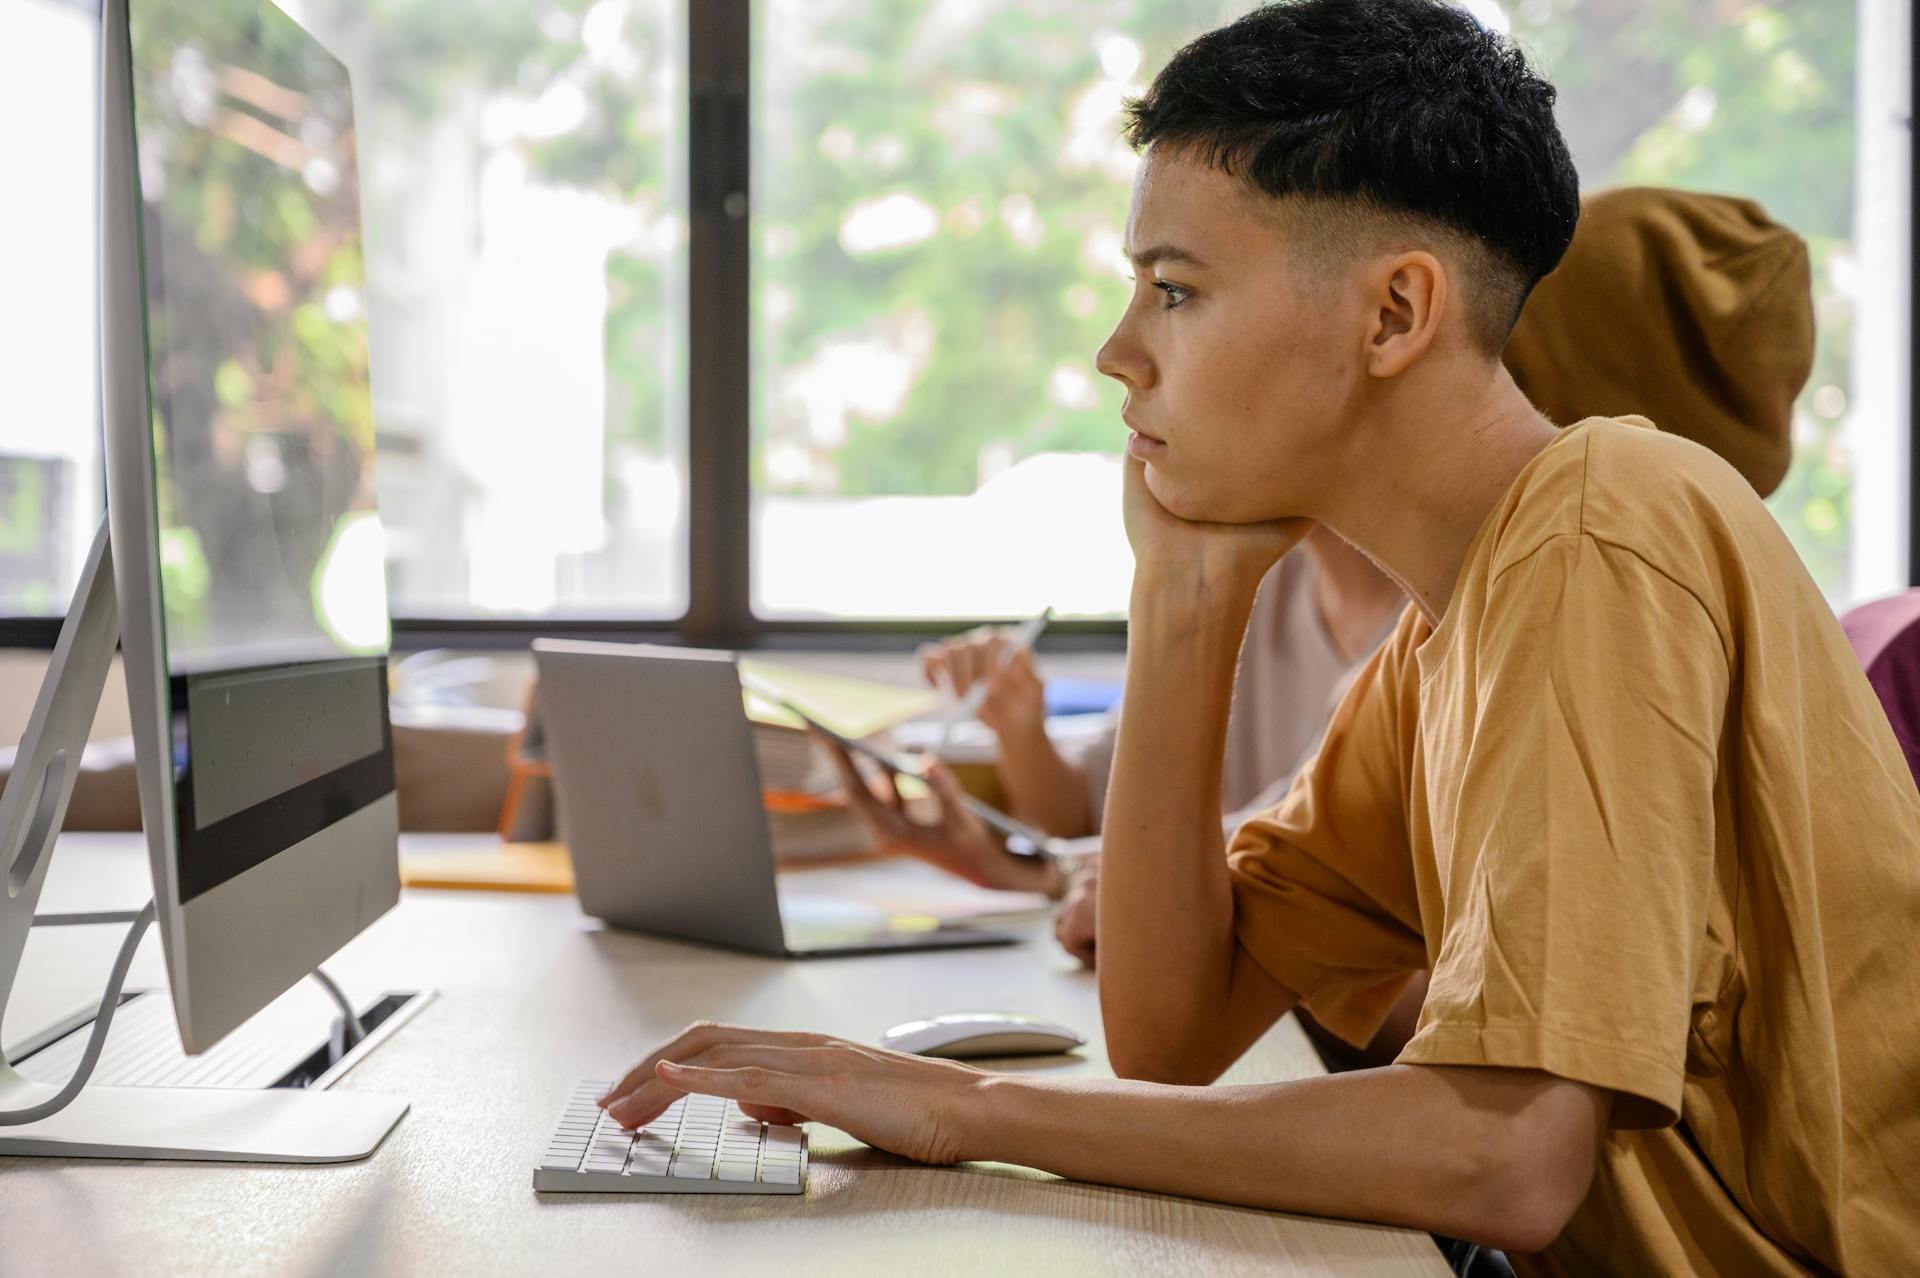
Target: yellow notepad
(852, 707)
(504, 867)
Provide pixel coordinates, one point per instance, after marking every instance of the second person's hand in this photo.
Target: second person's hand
(1073, 925)
(957, 841)
(1015, 703)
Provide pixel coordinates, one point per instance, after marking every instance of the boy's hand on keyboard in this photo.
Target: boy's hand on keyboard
(908, 1105)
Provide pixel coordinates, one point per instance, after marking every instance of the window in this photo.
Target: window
(523, 179)
(50, 480)
(901, 311)
(524, 185)
(1806, 108)
(940, 199)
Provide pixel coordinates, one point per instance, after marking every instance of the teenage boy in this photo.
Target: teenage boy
(1695, 310)
(1615, 779)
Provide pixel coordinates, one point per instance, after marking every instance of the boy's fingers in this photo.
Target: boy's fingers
(774, 1114)
(640, 1091)
(766, 1090)
(686, 1042)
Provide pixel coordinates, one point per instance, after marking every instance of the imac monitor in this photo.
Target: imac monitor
(247, 548)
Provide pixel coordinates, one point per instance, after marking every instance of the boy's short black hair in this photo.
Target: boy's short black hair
(1406, 110)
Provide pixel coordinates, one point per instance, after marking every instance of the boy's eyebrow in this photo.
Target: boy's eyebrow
(1146, 257)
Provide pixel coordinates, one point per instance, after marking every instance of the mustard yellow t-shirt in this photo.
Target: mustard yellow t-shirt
(1634, 805)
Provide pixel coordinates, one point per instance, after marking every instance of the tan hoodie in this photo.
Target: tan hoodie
(1695, 311)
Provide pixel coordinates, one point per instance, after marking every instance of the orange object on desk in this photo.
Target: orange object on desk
(503, 867)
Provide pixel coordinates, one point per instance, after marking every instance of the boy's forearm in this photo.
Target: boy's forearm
(1165, 913)
(1043, 788)
(1494, 1156)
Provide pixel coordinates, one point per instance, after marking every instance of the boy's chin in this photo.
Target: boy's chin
(1201, 503)
(1180, 498)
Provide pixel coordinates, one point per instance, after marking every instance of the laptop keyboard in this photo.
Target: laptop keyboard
(700, 1145)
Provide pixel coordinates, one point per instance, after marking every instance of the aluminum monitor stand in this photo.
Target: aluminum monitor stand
(201, 1123)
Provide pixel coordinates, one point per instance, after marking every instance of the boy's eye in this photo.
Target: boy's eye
(1175, 293)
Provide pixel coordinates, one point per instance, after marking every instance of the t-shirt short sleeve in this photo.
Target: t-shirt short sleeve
(1324, 894)
(1581, 813)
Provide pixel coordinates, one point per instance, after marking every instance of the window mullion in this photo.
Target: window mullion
(718, 35)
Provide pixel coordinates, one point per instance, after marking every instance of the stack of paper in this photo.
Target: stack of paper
(795, 770)
(791, 762)
(851, 707)
(824, 834)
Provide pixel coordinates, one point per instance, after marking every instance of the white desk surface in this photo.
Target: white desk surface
(532, 996)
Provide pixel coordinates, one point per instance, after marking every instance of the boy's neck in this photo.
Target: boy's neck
(1356, 600)
(1427, 470)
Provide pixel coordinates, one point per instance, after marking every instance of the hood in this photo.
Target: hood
(1693, 310)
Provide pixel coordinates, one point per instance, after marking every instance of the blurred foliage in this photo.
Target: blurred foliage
(974, 116)
(1743, 98)
(1000, 120)
(966, 107)
(984, 117)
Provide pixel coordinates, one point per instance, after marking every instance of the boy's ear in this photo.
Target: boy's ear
(1407, 295)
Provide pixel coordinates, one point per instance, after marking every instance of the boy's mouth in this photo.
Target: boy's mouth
(1138, 432)
(1139, 443)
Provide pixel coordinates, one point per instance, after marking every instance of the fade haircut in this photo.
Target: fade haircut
(1377, 122)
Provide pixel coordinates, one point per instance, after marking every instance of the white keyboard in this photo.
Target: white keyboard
(700, 1145)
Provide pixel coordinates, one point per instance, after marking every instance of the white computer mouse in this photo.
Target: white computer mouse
(970, 1034)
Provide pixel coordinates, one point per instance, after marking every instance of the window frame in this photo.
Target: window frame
(719, 610)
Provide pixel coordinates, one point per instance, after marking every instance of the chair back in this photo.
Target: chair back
(1885, 636)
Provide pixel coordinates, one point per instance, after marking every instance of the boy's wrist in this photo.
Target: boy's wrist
(1192, 605)
(1220, 573)
(990, 1111)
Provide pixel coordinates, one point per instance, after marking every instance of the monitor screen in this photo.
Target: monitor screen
(272, 574)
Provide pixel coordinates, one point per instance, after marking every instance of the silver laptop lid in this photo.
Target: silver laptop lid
(660, 791)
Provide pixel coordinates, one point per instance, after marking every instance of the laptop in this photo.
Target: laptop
(659, 787)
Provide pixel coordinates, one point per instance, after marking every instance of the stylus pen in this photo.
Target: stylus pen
(1022, 639)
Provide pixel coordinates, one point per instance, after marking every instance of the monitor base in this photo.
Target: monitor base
(210, 1124)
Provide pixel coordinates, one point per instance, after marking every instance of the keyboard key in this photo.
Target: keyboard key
(696, 1139)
